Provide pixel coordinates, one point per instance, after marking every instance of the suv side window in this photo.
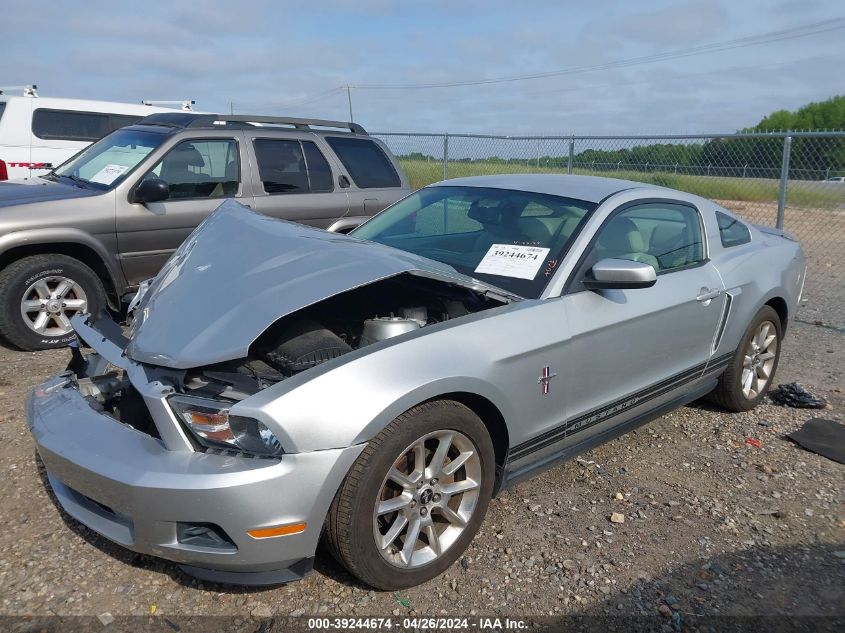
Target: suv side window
(200, 169)
(291, 166)
(732, 232)
(665, 235)
(319, 172)
(365, 161)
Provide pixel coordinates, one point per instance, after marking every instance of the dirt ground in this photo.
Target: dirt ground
(713, 525)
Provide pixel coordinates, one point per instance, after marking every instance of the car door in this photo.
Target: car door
(201, 174)
(634, 349)
(294, 181)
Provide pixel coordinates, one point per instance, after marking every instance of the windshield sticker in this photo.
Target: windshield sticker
(513, 260)
(108, 174)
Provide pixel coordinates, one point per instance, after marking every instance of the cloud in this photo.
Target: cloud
(285, 58)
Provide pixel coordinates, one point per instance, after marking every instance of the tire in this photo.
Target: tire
(730, 392)
(353, 524)
(39, 278)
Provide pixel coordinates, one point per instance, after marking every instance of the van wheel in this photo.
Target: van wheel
(39, 295)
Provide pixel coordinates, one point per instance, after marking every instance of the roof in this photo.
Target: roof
(589, 188)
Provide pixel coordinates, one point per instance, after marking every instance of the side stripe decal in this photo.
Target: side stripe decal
(606, 412)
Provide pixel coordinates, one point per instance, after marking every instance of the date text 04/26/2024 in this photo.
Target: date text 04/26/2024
(417, 624)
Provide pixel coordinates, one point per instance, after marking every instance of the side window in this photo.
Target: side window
(319, 172)
(365, 161)
(66, 125)
(281, 165)
(732, 232)
(200, 169)
(666, 236)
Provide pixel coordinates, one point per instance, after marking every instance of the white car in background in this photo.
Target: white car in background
(39, 133)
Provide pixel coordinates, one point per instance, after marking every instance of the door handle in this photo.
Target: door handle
(706, 294)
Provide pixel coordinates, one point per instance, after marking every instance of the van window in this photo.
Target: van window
(68, 125)
(2, 107)
(367, 164)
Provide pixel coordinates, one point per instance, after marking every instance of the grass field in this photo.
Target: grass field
(802, 193)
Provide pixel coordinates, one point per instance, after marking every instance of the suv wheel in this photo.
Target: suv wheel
(415, 498)
(39, 295)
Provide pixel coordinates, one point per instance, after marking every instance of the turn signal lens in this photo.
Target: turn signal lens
(279, 530)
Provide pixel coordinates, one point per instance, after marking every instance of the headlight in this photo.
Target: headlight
(210, 422)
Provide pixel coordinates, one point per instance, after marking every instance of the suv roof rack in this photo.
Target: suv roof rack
(193, 120)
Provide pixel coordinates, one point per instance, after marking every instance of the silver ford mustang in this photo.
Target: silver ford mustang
(280, 385)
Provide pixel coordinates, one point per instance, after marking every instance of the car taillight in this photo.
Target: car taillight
(4, 173)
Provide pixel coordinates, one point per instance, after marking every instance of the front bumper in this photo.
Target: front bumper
(127, 486)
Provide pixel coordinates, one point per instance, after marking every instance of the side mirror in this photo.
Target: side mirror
(343, 181)
(152, 190)
(621, 274)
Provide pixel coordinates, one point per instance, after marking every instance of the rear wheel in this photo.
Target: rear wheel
(749, 375)
(415, 498)
(40, 294)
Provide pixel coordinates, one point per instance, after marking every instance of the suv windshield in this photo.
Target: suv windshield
(510, 239)
(108, 161)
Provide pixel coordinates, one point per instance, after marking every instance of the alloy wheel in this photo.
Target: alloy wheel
(759, 360)
(427, 499)
(48, 304)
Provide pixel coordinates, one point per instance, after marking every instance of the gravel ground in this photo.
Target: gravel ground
(712, 525)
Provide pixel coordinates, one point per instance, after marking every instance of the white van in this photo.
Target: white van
(39, 133)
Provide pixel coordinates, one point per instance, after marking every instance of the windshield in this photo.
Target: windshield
(108, 161)
(510, 239)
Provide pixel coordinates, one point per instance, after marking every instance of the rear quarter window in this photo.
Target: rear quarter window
(2, 107)
(366, 162)
(732, 232)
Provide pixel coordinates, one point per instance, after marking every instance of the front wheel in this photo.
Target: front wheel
(415, 498)
(40, 294)
(749, 375)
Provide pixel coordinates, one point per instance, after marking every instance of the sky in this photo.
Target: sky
(291, 58)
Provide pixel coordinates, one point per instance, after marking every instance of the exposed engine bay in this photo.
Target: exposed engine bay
(300, 341)
(335, 326)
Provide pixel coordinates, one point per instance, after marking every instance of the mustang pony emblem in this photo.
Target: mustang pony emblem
(545, 379)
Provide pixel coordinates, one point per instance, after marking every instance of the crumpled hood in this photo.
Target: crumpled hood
(28, 190)
(240, 271)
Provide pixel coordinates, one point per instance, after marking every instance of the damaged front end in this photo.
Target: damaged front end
(160, 440)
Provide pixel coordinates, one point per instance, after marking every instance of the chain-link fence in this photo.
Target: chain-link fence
(790, 180)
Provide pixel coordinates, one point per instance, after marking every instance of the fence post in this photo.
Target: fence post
(784, 180)
(445, 156)
(571, 154)
(744, 167)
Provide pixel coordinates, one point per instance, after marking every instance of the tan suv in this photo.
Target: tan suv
(85, 235)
